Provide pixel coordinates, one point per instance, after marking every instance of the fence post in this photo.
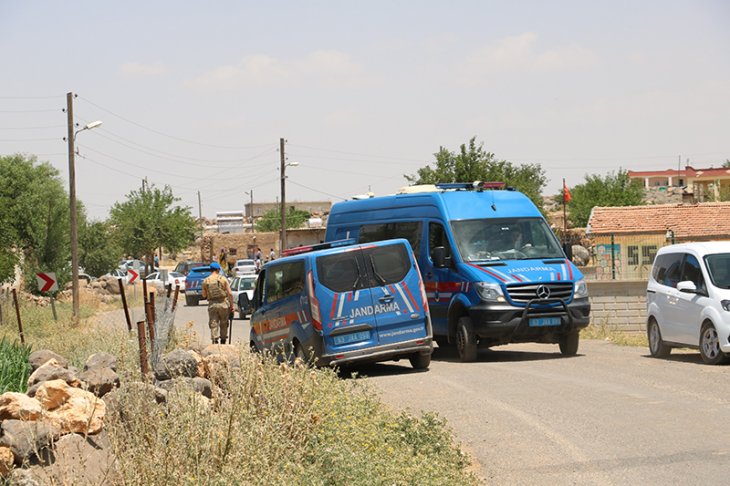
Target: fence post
(143, 363)
(124, 304)
(613, 259)
(53, 308)
(174, 299)
(17, 313)
(150, 311)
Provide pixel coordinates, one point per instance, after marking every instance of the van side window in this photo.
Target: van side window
(284, 280)
(693, 272)
(390, 263)
(667, 268)
(437, 237)
(409, 230)
(258, 294)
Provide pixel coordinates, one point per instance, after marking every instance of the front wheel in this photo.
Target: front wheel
(420, 361)
(466, 340)
(569, 343)
(710, 345)
(657, 348)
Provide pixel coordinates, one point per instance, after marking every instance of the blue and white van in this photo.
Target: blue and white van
(338, 303)
(493, 269)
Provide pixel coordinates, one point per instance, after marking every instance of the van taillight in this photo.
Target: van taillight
(313, 303)
(424, 297)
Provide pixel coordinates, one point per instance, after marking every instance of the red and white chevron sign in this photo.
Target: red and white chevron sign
(133, 274)
(47, 281)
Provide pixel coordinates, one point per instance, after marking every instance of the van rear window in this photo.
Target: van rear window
(390, 263)
(343, 272)
(340, 272)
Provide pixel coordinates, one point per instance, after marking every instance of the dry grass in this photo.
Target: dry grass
(615, 335)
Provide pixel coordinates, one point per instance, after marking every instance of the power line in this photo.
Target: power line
(316, 190)
(28, 111)
(30, 97)
(356, 154)
(32, 128)
(31, 139)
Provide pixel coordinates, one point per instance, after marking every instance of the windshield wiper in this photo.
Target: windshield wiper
(378, 277)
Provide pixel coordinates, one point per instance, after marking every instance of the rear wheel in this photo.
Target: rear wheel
(569, 343)
(420, 361)
(300, 356)
(657, 348)
(466, 340)
(710, 345)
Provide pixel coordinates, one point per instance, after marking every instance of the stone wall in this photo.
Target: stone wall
(619, 304)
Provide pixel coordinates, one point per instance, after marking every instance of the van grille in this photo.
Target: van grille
(523, 293)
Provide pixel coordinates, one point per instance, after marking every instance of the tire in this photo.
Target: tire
(420, 361)
(241, 312)
(299, 355)
(466, 340)
(569, 343)
(191, 301)
(710, 345)
(657, 348)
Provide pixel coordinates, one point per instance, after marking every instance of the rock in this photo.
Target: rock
(202, 371)
(52, 370)
(6, 461)
(24, 477)
(175, 364)
(100, 381)
(203, 386)
(581, 255)
(26, 438)
(101, 360)
(230, 350)
(81, 411)
(40, 357)
(200, 385)
(19, 406)
(76, 459)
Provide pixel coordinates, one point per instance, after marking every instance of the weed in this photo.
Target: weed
(613, 334)
(14, 367)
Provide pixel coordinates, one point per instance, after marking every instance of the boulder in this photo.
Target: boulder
(100, 381)
(76, 459)
(6, 461)
(71, 409)
(26, 438)
(19, 406)
(101, 360)
(24, 477)
(40, 357)
(53, 370)
(230, 350)
(581, 256)
(202, 371)
(200, 385)
(175, 364)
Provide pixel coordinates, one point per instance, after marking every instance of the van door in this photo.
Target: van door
(440, 283)
(690, 306)
(398, 302)
(345, 302)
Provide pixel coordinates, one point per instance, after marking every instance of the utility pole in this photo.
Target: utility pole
(200, 208)
(282, 246)
(72, 208)
(250, 193)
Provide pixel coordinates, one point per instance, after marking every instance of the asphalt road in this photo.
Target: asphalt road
(611, 415)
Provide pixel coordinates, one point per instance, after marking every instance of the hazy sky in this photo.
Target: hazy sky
(197, 94)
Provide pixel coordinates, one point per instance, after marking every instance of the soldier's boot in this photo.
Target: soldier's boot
(223, 340)
(215, 341)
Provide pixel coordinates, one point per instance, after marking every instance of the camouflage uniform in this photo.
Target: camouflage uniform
(218, 309)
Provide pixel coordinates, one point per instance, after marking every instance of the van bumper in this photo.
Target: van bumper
(503, 323)
(379, 353)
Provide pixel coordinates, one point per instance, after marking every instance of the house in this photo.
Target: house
(626, 239)
(704, 184)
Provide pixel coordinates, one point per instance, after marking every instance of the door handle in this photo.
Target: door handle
(386, 298)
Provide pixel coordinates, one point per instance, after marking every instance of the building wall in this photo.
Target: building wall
(633, 256)
(619, 305)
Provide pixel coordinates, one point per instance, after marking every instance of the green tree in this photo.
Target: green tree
(99, 251)
(148, 220)
(613, 189)
(473, 163)
(271, 220)
(34, 219)
(726, 164)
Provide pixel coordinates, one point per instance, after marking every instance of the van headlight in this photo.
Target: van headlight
(490, 292)
(581, 289)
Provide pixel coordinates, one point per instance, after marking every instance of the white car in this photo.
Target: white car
(173, 278)
(688, 300)
(119, 274)
(242, 288)
(244, 267)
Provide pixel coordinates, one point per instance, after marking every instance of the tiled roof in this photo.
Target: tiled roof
(686, 220)
(686, 172)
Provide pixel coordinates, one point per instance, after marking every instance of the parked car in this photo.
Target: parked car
(244, 267)
(242, 288)
(173, 278)
(688, 300)
(185, 267)
(116, 273)
(194, 284)
(338, 303)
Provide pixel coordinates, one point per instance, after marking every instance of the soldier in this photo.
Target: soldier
(217, 291)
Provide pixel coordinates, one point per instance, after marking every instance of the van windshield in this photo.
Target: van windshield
(505, 239)
(718, 266)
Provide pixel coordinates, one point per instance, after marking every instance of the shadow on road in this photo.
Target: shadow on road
(389, 368)
(682, 357)
(498, 355)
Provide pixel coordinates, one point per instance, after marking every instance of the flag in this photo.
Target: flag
(566, 193)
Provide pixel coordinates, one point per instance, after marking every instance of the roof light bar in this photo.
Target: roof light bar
(320, 246)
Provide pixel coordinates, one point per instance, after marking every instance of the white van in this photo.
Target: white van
(688, 300)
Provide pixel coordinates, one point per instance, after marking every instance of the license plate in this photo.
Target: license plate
(544, 321)
(351, 338)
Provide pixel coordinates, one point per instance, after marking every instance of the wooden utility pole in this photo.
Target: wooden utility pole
(200, 208)
(282, 245)
(72, 209)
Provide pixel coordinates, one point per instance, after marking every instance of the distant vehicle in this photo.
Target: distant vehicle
(173, 278)
(184, 267)
(116, 273)
(338, 303)
(688, 300)
(194, 284)
(126, 265)
(244, 267)
(242, 288)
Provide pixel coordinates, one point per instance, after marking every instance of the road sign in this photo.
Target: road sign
(133, 274)
(47, 281)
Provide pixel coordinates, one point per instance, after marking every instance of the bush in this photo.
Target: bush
(14, 367)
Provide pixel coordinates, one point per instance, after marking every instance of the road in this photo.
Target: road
(611, 415)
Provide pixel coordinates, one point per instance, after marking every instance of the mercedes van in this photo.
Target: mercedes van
(494, 271)
(338, 303)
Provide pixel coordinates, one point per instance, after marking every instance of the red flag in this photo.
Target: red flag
(566, 193)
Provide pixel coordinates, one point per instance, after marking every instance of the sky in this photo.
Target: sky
(196, 95)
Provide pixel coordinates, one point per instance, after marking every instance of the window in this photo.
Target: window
(718, 266)
(633, 255)
(692, 272)
(647, 254)
(390, 263)
(667, 268)
(284, 280)
(410, 230)
(437, 237)
(340, 272)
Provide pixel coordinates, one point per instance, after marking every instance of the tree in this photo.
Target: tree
(99, 251)
(147, 220)
(473, 163)
(34, 219)
(613, 189)
(271, 220)
(726, 164)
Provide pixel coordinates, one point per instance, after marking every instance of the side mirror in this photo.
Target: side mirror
(440, 260)
(568, 250)
(688, 287)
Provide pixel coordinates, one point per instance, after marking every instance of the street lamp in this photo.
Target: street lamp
(250, 193)
(72, 202)
(284, 165)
